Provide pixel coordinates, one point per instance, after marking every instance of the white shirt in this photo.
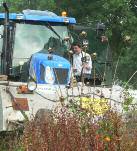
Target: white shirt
(77, 63)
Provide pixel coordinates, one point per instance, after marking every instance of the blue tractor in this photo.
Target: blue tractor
(33, 43)
(34, 69)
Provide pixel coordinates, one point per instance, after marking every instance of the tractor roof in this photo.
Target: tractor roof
(39, 16)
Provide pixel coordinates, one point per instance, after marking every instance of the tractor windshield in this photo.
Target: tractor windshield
(30, 39)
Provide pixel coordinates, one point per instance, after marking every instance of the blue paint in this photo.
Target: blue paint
(56, 62)
(51, 17)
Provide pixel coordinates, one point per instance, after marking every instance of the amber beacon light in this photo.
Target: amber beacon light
(64, 14)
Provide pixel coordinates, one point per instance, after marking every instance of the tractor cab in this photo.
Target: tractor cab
(28, 39)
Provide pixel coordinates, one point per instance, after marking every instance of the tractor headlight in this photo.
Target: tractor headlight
(32, 85)
(49, 75)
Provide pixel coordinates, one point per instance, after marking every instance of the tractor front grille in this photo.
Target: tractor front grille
(61, 75)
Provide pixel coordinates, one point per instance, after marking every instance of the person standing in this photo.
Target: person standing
(82, 63)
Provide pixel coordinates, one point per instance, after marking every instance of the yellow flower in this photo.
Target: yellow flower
(97, 106)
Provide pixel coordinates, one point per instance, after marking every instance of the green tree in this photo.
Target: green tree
(120, 17)
(19, 5)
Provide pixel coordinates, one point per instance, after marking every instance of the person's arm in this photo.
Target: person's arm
(88, 64)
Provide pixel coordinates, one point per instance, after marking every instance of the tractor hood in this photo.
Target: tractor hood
(49, 69)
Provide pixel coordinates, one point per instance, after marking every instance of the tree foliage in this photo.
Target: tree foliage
(120, 17)
(19, 5)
